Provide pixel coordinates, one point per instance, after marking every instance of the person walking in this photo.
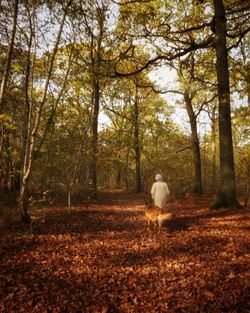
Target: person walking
(160, 192)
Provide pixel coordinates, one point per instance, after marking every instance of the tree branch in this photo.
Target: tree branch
(185, 148)
(192, 47)
(131, 1)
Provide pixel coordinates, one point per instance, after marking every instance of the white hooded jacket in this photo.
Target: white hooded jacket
(160, 193)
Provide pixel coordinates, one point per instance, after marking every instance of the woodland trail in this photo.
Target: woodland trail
(101, 258)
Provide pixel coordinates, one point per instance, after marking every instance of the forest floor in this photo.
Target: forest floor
(101, 258)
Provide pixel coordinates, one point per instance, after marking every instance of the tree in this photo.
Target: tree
(184, 41)
(5, 78)
(99, 41)
(226, 195)
(32, 128)
(195, 142)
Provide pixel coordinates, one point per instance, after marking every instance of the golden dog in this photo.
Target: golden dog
(155, 215)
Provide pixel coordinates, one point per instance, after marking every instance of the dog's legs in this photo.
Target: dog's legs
(159, 226)
(149, 224)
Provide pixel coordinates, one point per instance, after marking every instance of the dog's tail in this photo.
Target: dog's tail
(163, 218)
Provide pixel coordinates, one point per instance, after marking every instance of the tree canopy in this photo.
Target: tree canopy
(85, 103)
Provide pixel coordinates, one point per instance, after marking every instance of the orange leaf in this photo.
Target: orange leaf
(208, 294)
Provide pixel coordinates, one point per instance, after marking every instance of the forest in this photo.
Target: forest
(96, 98)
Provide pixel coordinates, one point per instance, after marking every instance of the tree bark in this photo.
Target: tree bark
(226, 195)
(246, 70)
(195, 144)
(94, 142)
(137, 146)
(127, 164)
(96, 61)
(4, 82)
(75, 170)
(214, 150)
(118, 177)
(3, 87)
(248, 86)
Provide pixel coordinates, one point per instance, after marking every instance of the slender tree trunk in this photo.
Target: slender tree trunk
(33, 129)
(96, 60)
(137, 146)
(126, 168)
(9, 172)
(94, 143)
(4, 82)
(128, 151)
(108, 178)
(76, 167)
(226, 194)
(214, 150)
(118, 177)
(248, 86)
(205, 163)
(195, 144)
(3, 87)
(2, 183)
(246, 72)
(247, 183)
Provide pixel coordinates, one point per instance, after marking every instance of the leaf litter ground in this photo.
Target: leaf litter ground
(102, 258)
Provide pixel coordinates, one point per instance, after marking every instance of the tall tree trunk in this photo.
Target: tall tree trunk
(4, 82)
(96, 60)
(247, 183)
(2, 176)
(137, 146)
(118, 177)
(226, 195)
(3, 87)
(9, 171)
(246, 71)
(248, 86)
(33, 129)
(107, 184)
(214, 150)
(195, 143)
(126, 168)
(75, 170)
(94, 143)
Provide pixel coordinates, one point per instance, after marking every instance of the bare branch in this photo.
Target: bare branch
(160, 91)
(116, 113)
(241, 36)
(204, 103)
(192, 47)
(193, 28)
(185, 148)
(131, 1)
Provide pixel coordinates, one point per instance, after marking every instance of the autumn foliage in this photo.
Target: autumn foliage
(101, 258)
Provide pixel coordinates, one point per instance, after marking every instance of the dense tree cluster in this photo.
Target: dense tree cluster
(80, 110)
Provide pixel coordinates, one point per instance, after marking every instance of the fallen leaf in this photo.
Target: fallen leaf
(208, 294)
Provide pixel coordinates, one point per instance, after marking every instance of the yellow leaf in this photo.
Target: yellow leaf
(4, 117)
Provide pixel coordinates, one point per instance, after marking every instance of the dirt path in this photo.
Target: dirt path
(103, 259)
